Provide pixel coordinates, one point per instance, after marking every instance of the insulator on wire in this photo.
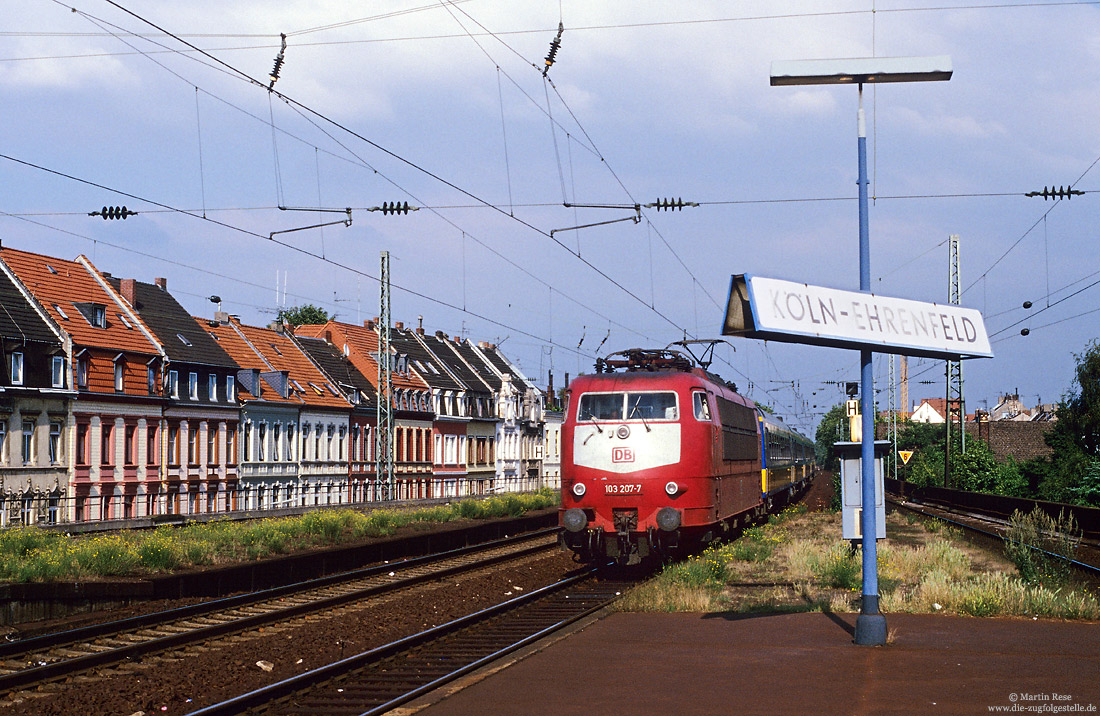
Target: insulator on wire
(1061, 192)
(394, 207)
(113, 212)
(670, 204)
(278, 62)
(554, 45)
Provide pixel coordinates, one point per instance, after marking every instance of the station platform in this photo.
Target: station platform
(711, 664)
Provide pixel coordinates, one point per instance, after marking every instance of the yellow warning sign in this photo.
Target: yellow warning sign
(905, 455)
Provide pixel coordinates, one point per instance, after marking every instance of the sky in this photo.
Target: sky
(166, 108)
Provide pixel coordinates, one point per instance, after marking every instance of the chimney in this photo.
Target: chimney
(221, 317)
(567, 380)
(128, 287)
(161, 282)
(369, 325)
(328, 336)
(420, 330)
(441, 335)
(482, 344)
(399, 325)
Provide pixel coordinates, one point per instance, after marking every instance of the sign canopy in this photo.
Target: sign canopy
(778, 310)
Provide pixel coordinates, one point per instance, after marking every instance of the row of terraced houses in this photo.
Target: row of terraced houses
(116, 403)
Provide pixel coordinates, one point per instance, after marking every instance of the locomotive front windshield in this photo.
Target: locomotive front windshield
(627, 406)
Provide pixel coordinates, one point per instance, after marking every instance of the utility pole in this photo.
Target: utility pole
(956, 406)
(383, 434)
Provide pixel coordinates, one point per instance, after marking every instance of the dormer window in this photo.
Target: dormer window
(15, 368)
(51, 269)
(61, 312)
(183, 340)
(125, 322)
(275, 348)
(57, 370)
(120, 373)
(94, 313)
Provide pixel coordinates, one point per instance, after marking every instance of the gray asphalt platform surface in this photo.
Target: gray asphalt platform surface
(703, 664)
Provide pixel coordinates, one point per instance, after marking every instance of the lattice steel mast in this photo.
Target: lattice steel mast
(956, 405)
(383, 434)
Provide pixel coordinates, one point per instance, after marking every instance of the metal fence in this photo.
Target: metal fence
(76, 513)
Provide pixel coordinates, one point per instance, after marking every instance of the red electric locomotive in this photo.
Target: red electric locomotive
(659, 454)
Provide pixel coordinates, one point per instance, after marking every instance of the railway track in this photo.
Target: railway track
(385, 677)
(30, 662)
(993, 527)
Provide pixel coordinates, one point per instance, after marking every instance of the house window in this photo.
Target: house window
(150, 445)
(106, 442)
(174, 384)
(82, 444)
(55, 443)
(82, 373)
(340, 443)
(57, 366)
(211, 444)
(261, 443)
(438, 449)
(230, 446)
(290, 441)
(120, 375)
(192, 446)
(97, 315)
(3, 438)
(173, 444)
(193, 386)
(61, 312)
(151, 379)
(28, 442)
(15, 365)
(212, 388)
(230, 389)
(131, 444)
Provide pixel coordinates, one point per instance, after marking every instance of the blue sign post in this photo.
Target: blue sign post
(871, 624)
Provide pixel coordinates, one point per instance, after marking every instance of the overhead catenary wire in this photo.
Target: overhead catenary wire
(342, 127)
(299, 109)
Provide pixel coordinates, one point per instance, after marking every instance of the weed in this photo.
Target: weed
(1041, 546)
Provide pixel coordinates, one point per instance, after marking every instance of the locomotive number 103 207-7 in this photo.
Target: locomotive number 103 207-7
(630, 488)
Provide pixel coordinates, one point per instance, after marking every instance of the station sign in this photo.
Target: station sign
(787, 311)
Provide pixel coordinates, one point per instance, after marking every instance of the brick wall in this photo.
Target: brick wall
(1022, 440)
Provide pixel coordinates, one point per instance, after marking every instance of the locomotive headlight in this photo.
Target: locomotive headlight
(671, 488)
(668, 519)
(579, 489)
(574, 519)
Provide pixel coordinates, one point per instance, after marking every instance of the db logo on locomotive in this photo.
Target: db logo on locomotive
(622, 454)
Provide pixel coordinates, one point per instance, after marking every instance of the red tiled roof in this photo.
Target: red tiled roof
(67, 284)
(266, 350)
(361, 342)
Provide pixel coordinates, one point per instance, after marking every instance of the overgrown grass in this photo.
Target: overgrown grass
(30, 554)
(1041, 546)
(809, 567)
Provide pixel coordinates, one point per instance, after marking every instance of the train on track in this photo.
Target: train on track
(659, 455)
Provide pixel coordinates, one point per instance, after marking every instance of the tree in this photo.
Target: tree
(1074, 439)
(302, 315)
(832, 428)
